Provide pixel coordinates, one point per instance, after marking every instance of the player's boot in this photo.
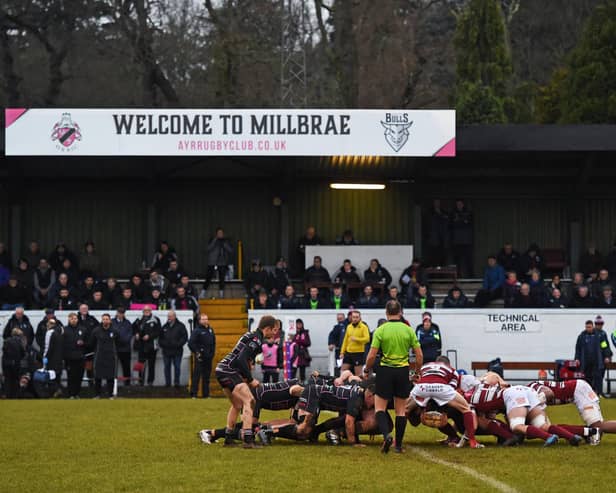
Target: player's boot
(575, 440)
(595, 437)
(264, 436)
(514, 441)
(553, 440)
(386, 445)
(475, 444)
(205, 437)
(462, 442)
(332, 437)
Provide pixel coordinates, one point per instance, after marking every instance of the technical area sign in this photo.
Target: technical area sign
(221, 132)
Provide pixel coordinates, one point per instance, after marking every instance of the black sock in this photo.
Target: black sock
(381, 419)
(330, 424)
(400, 428)
(288, 431)
(248, 436)
(229, 435)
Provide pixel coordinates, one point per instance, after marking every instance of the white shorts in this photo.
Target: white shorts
(587, 403)
(438, 392)
(521, 396)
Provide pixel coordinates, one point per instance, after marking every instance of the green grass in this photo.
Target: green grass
(151, 445)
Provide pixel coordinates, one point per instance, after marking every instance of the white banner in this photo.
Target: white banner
(221, 132)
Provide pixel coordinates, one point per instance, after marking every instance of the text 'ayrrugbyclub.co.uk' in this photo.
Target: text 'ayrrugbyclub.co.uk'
(232, 145)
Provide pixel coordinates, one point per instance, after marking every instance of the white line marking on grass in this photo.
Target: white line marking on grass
(495, 483)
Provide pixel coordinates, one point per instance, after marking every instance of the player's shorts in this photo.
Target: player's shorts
(587, 403)
(393, 382)
(521, 396)
(228, 377)
(309, 400)
(354, 359)
(440, 393)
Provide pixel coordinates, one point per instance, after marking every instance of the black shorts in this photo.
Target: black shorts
(228, 377)
(393, 382)
(309, 400)
(354, 359)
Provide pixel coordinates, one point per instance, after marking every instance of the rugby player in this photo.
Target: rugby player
(586, 401)
(234, 376)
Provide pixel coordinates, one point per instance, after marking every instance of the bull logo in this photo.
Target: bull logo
(396, 134)
(66, 132)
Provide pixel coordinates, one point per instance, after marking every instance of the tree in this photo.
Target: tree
(483, 64)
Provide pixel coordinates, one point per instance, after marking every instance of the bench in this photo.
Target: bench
(537, 365)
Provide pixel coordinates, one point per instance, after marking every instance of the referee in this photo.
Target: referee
(395, 339)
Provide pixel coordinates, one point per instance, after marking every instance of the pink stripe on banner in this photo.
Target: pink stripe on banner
(12, 114)
(448, 150)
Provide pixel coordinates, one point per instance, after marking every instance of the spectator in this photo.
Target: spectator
(61, 252)
(377, 274)
(462, 238)
(263, 301)
(52, 354)
(531, 260)
(555, 283)
(557, 300)
(347, 238)
(510, 288)
(112, 292)
(429, 337)
(302, 343)
(64, 301)
(146, 330)
(174, 274)
(98, 301)
(336, 335)
(591, 261)
(600, 282)
(493, 280)
(257, 279)
(184, 302)
(163, 257)
(138, 288)
(44, 279)
(126, 299)
(73, 344)
(71, 271)
(103, 343)
(289, 301)
(13, 351)
(281, 277)
(317, 274)
(393, 294)
(606, 352)
(523, 299)
(314, 300)
(508, 258)
(606, 299)
(188, 287)
(219, 252)
(311, 238)
(24, 274)
(5, 257)
(423, 299)
(61, 282)
(19, 320)
(582, 298)
(173, 337)
(589, 353)
(202, 343)
(339, 298)
(456, 299)
(33, 255)
(367, 299)
(272, 360)
(412, 277)
(577, 281)
(347, 274)
(157, 300)
(157, 281)
(41, 330)
(537, 290)
(124, 330)
(85, 290)
(438, 235)
(90, 261)
(610, 261)
(14, 295)
(356, 336)
(90, 323)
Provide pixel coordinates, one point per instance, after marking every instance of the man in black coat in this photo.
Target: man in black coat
(203, 345)
(19, 320)
(73, 344)
(124, 331)
(53, 353)
(316, 273)
(41, 331)
(13, 350)
(103, 342)
(172, 338)
(14, 295)
(146, 330)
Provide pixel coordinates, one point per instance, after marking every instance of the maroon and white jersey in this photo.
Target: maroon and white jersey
(486, 398)
(564, 392)
(436, 372)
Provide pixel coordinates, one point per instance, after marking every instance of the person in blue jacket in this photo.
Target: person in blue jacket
(590, 353)
(493, 280)
(429, 336)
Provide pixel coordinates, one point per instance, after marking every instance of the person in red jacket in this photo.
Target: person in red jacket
(302, 343)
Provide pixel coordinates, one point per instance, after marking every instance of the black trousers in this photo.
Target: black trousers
(11, 381)
(594, 376)
(126, 369)
(98, 386)
(202, 372)
(150, 360)
(302, 373)
(211, 270)
(74, 376)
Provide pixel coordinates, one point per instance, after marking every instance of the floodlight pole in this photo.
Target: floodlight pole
(294, 37)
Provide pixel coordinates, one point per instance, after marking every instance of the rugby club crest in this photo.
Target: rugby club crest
(396, 130)
(65, 132)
